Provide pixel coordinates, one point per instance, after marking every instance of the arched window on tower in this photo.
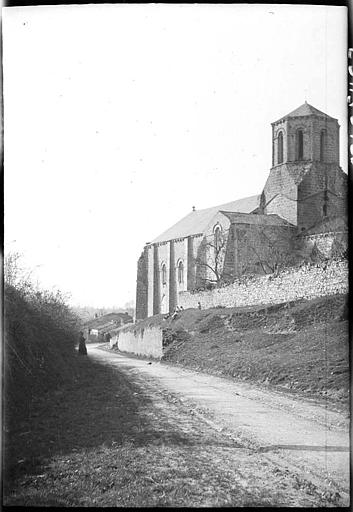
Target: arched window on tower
(300, 145)
(280, 148)
(180, 272)
(164, 274)
(322, 145)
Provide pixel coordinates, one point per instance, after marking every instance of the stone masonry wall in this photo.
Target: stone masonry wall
(303, 283)
(195, 247)
(162, 258)
(312, 196)
(180, 256)
(144, 342)
(261, 246)
(325, 243)
(280, 194)
(331, 149)
(141, 287)
(150, 275)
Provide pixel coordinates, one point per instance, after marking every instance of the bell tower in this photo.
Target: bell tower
(305, 135)
(305, 183)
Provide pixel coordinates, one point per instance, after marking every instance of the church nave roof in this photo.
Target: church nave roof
(196, 221)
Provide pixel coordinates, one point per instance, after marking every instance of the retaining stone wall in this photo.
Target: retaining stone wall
(307, 282)
(144, 342)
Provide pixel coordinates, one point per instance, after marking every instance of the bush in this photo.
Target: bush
(40, 336)
(171, 335)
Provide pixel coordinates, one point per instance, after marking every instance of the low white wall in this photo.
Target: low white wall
(144, 342)
(307, 282)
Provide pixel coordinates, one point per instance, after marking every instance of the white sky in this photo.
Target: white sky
(119, 118)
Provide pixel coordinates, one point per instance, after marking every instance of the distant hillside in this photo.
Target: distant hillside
(107, 319)
(87, 313)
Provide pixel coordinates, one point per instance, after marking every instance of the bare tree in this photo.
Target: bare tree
(269, 251)
(212, 256)
(339, 249)
(265, 250)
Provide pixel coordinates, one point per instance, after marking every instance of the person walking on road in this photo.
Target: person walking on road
(82, 350)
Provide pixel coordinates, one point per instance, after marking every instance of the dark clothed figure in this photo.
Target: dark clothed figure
(82, 350)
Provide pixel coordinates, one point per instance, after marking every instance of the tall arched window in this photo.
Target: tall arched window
(300, 145)
(164, 274)
(280, 148)
(322, 145)
(180, 272)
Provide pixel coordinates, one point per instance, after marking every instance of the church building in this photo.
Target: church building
(303, 200)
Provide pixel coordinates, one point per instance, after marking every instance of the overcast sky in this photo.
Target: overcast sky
(119, 118)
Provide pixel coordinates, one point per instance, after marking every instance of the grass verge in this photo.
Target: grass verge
(108, 441)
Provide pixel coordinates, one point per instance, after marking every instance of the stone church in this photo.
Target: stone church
(301, 209)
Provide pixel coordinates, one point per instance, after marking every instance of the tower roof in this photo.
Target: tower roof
(306, 110)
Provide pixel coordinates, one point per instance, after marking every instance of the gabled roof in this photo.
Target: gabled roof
(104, 327)
(306, 110)
(265, 220)
(196, 221)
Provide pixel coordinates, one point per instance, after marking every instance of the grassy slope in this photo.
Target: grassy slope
(105, 442)
(302, 346)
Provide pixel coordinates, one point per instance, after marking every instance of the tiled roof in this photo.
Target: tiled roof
(104, 327)
(265, 220)
(196, 221)
(306, 110)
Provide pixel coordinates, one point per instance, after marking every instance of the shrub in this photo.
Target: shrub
(40, 336)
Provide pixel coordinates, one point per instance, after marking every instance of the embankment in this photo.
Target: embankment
(142, 340)
(299, 346)
(40, 333)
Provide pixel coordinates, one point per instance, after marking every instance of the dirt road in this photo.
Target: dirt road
(302, 439)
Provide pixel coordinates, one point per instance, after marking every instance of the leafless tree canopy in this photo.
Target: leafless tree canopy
(212, 257)
(273, 256)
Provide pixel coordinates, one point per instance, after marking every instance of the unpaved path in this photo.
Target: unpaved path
(305, 439)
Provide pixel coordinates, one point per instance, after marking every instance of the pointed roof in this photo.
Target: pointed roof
(306, 110)
(196, 221)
